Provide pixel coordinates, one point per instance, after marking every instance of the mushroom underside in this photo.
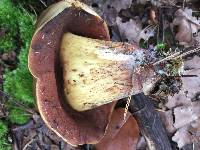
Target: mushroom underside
(74, 127)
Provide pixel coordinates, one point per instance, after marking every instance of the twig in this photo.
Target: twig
(160, 34)
(36, 16)
(25, 11)
(177, 55)
(43, 3)
(28, 143)
(149, 28)
(184, 4)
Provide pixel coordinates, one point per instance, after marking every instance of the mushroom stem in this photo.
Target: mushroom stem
(97, 72)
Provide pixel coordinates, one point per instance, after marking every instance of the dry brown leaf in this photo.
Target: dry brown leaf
(188, 134)
(119, 4)
(187, 26)
(110, 16)
(132, 30)
(120, 135)
(129, 30)
(182, 137)
(194, 63)
(186, 114)
(187, 13)
(158, 3)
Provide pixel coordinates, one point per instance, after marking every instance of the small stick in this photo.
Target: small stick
(43, 3)
(178, 55)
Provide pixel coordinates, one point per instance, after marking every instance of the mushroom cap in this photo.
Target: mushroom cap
(74, 127)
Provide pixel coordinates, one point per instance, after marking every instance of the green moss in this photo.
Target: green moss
(4, 144)
(8, 14)
(161, 46)
(3, 129)
(17, 83)
(18, 24)
(16, 21)
(18, 116)
(8, 22)
(26, 27)
(7, 43)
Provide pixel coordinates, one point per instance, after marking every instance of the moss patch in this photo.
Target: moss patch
(4, 144)
(18, 24)
(18, 83)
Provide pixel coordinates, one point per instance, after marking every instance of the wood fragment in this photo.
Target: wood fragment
(149, 122)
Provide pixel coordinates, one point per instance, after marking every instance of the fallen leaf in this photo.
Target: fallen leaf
(187, 13)
(192, 63)
(187, 26)
(182, 137)
(158, 3)
(189, 134)
(119, 4)
(120, 134)
(186, 114)
(109, 15)
(132, 30)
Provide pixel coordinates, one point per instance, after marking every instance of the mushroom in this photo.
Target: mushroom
(74, 127)
(59, 29)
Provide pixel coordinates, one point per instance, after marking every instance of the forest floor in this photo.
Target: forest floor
(164, 27)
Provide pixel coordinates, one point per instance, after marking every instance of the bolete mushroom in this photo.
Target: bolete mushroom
(96, 72)
(74, 127)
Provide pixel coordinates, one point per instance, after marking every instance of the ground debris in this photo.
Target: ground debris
(135, 32)
(119, 5)
(121, 134)
(187, 27)
(134, 21)
(185, 108)
(188, 134)
(36, 135)
(186, 114)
